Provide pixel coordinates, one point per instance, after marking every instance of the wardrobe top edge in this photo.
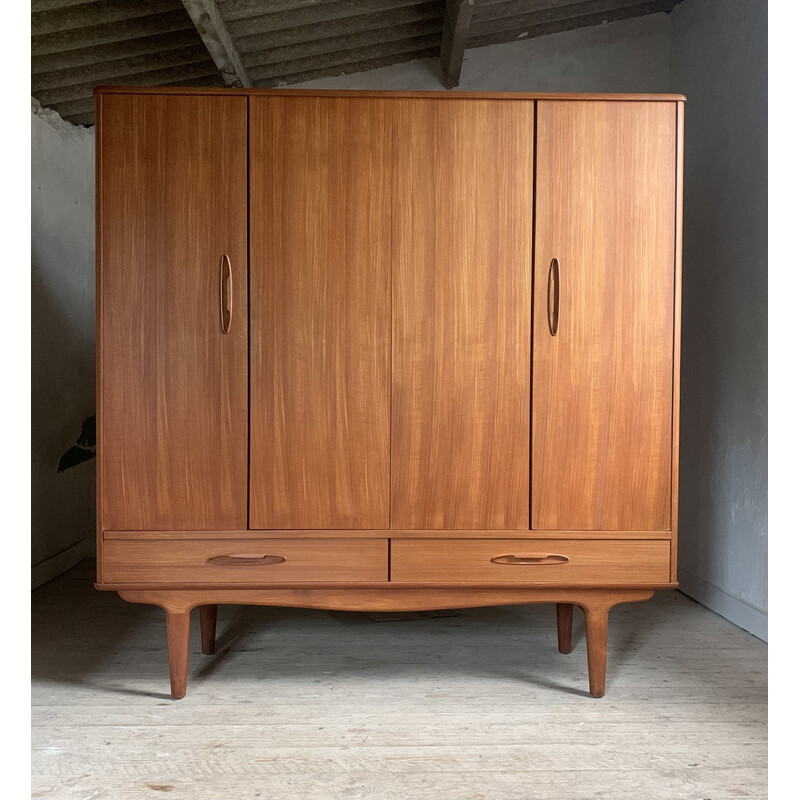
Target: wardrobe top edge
(373, 93)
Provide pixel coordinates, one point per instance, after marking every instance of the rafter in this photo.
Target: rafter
(214, 33)
(455, 33)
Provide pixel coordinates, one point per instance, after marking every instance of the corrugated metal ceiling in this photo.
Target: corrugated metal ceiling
(78, 44)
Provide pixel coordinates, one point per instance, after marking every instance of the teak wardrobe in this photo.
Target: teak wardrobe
(388, 351)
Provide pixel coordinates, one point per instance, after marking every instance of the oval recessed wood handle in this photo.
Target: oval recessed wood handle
(225, 293)
(247, 560)
(532, 558)
(553, 296)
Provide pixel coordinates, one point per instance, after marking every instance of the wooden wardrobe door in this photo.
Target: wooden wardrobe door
(320, 174)
(461, 301)
(172, 200)
(602, 386)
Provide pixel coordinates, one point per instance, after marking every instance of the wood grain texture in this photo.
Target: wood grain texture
(377, 533)
(173, 392)
(391, 326)
(320, 236)
(596, 620)
(602, 414)
(461, 314)
(592, 562)
(563, 625)
(676, 350)
(386, 598)
(178, 605)
(178, 650)
(208, 629)
(439, 95)
(178, 561)
(98, 329)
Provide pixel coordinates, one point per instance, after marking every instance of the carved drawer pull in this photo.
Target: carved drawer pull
(533, 558)
(246, 560)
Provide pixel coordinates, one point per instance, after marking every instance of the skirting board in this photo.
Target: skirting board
(54, 566)
(736, 611)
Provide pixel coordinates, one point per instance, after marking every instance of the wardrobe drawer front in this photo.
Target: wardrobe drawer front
(548, 561)
(244, 561)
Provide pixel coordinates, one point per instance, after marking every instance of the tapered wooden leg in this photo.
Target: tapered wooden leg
(596, 647)
(594, 601)
(208, 629)
(564, 625)
(178, 646)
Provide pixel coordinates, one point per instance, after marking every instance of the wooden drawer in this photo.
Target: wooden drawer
(248, 561)
(549, 561)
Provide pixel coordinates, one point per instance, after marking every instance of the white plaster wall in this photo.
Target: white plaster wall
(627, 56)
(62, 339)
(719, 61)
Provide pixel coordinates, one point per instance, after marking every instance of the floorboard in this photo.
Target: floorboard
(312, 705)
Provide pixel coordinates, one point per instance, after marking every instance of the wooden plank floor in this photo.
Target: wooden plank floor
(312, 705)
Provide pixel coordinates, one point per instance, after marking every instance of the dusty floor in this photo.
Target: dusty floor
(314, 705)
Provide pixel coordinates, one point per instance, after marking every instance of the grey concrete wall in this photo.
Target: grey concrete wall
(627, 56)
(719, 61)
(62, 340)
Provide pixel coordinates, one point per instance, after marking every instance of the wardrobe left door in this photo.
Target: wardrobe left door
(172, 305)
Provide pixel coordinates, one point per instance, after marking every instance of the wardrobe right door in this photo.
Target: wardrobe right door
(603, 315)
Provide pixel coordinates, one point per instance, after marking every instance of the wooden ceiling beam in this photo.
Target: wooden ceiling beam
(455, 34)
(217, 39)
